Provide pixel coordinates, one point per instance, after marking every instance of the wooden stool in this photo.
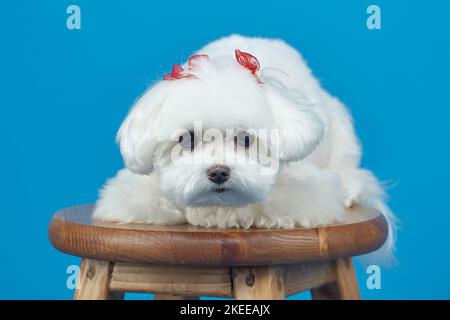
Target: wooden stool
(184, 262)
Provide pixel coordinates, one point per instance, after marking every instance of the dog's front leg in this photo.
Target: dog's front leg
(130, 197)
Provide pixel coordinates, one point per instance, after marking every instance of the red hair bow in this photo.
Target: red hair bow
(178, 71)
(194, 58)
(247, 60)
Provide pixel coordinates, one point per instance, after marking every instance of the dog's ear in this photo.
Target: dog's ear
(139, 133)
(300, 127)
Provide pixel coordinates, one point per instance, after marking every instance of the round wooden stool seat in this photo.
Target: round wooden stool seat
(73, 231)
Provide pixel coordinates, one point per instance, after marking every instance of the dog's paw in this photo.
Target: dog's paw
(355, 182)
(351, 197)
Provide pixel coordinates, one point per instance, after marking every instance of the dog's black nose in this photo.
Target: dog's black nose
(218, 174)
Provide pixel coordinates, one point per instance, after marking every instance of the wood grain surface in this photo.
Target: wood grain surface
(260, 283)
(93, 281)
(181, 280)
(344, 285)
(73, 231)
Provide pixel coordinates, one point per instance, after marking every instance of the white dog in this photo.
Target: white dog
(243, 136)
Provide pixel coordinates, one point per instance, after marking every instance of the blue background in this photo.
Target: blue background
(64, 93)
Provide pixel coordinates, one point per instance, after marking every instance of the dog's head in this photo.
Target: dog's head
(217, 132)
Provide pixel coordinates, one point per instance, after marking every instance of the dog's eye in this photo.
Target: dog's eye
(244, 139)
(187, 141)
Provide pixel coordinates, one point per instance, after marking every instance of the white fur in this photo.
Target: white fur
(319, 153)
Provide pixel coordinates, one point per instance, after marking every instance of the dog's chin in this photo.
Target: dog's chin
(222, 197)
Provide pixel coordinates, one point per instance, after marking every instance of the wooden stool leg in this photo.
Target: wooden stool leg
(345, 286)
(264, 283)
(160, 296)
(93, 280)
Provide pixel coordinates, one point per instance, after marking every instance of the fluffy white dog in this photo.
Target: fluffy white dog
(243, 136)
